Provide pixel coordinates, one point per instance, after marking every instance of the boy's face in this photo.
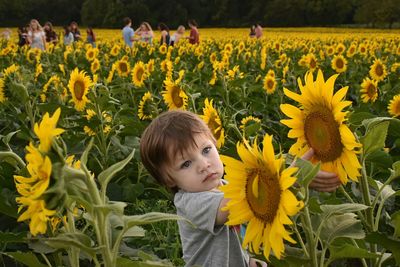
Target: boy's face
(200, 168)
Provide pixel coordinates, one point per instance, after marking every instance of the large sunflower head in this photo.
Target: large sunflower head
(123, 68)
(339, 64)
(259, 193)
(378, 70)
(211, 118)
(174, 96)
(319, 124)
(394, 106)
(139, 74)
(369, 90)
(79, 84)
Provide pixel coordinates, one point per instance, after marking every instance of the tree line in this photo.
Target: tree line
(215, 13)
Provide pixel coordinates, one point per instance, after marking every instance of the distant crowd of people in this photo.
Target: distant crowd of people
(145, 33)
(37, 36)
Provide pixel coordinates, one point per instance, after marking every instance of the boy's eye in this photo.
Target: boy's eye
(186, 164)
(206, 150)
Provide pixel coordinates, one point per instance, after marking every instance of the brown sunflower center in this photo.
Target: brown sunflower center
(79, 89)
(265, 202)
(176, 98)
(339, 63)
(379, 70)
(371, 90)
(123, 67)
(91, 54)
(139, 74)
(322, 134)
(270, 84)
(313, 63)
(396, 107)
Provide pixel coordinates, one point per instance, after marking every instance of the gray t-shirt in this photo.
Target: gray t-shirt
(207, 244)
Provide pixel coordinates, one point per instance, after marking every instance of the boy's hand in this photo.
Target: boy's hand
(323, 181)
(256, 263)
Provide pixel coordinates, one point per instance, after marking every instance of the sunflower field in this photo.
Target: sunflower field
(75, 193)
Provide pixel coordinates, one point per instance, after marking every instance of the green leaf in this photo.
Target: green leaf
(396, 223)
(395, 172)
(349, 251)
(85, 153)
(27, 258)
(12, 237)
(307, 171)
(147, 218)
(356, 118)
(115, 206)
(106, 175)
(329, 210)
(386, 242)
(68, 240)
(7, 138)
(375, 136)
(19, 91)
(134, 232)
(6, 207)
(341, 225)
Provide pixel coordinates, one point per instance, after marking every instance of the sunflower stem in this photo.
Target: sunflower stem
(306, 221)
(367, 201)
(303, 246)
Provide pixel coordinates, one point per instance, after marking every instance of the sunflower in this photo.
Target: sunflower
(139, 74)
(330, 50)
(88, 131)
(95, 65)
(78, 85)
(339, 64)
(150, 66)
(10, 70)
(369, 90)
(123, 68)
(33, 55)
(340, 48)
(377, 70)
(269, 84)
(258, 189)
(319, 124)
(394, 106)
(32, 188)
(47, 130)
(362, 49)
(352, 50)
(91, 54)
(312, 62)
(250, 122)
(2, 95)
(213, 121)
(174, 96)
(115, 50)
(145, 111)
(163, 49)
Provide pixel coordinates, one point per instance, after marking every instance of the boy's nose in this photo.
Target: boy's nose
(204, 165)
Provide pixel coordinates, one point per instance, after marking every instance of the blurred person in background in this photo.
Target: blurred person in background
(75, 31)
(91, 37)
(180, 32)
(165, 37)
(127, 32)
(145, 32)
(36, 35)
(51, 35)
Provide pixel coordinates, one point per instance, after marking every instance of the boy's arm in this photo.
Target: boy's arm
(222, 216)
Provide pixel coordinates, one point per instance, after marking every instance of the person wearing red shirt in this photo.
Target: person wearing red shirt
(194, 37)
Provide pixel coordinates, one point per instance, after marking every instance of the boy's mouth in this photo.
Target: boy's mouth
(210, 176)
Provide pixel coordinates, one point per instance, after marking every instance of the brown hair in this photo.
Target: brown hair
(167, 135)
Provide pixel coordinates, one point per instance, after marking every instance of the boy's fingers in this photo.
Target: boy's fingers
(308, 155)
(326, 175)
